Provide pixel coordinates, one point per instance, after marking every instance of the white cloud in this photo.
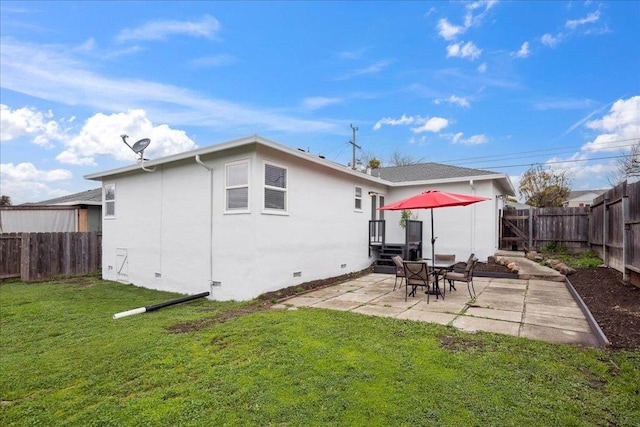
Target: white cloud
(418, 141)
(207, 27)
(589, 19)
(434, 124)
(29, 122)
(49, 72)
(462, 102)
(620, 127)
(549, 40)
(472, 140)
(523, 52)
(24, 182)
(468, 50)
(404, 120)
(317, 102)
(371, 69)
(100, 136)
(482, 68)
(449, 31)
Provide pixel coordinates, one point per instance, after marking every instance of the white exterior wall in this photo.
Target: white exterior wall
(162, 220)
(460, 230)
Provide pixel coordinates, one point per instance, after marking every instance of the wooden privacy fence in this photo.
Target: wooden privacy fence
(614, 232)
(534, 229)
(41, 256)
(610, 227)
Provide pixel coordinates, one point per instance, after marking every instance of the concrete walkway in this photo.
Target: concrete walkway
(531, 308)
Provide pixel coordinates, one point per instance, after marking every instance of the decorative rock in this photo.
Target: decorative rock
(553, 262)
(532, 255)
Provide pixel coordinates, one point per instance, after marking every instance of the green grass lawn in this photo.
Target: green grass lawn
(64, 361)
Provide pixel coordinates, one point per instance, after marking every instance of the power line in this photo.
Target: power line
(560, 161)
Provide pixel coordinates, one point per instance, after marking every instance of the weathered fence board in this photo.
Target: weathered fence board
(41, 256)
(10, 248)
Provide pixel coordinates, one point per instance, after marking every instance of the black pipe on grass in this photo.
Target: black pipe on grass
(155, 307)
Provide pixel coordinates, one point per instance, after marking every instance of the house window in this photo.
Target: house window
(109, 192)
(275, 188)
(237, 186)
(358, 199)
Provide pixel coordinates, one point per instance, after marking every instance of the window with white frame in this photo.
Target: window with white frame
(237, 186)
(109, 192)
(275, 188)
(358, 199)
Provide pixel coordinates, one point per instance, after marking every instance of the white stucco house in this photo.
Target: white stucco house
(250, 216)
(581, 198)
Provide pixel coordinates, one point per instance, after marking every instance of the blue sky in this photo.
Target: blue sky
(483, 84)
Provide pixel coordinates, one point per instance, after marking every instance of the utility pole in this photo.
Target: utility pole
(353, 143)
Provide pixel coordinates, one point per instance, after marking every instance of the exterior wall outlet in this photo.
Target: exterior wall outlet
(343, 265)
(158, 275)
(297, 274)
(215, 284)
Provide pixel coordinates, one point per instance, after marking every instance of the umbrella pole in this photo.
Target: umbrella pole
(433, 244)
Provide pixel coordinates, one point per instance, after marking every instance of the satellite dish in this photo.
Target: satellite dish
(139, 146)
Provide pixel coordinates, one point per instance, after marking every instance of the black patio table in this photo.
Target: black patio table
(436, 266)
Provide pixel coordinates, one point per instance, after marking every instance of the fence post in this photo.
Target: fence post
(626, 230)
(25, 258)
(530, 228)
(605, 227)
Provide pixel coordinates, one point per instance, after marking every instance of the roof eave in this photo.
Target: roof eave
(507, 186)
(254, 139)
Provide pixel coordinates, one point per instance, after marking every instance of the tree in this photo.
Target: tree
(373, 163)
(5, 201)
(398, 159)
(627, 166)
(544, 187)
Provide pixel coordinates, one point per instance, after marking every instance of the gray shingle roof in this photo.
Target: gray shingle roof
(84, 197)
(426, 171)
(579, 193)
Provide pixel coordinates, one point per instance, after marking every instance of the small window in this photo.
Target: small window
(237, 186)
(109, 192)
(358, 199)
(275, 188)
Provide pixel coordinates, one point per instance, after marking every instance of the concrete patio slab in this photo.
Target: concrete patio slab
(510, 316)
(558, 336)
(360, 297)
(551, 321)
(475, 324)
(379, 310)
(334, 304)
(542, 309)
(427, 316)
(534, 308)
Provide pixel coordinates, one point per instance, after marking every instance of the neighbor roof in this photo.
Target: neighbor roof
(89, 197)
(427, 171)
(579, 193)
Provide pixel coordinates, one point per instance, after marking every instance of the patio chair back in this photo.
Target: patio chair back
(397, 261)
(416, 274)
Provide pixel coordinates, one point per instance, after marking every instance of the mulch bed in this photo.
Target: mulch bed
(614, 304)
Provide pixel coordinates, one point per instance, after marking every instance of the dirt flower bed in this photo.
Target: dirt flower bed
(614, 304)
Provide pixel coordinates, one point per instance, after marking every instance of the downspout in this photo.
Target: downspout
(198, 161)
(473, 219)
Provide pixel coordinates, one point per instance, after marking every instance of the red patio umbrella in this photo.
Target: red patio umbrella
(433, 199)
